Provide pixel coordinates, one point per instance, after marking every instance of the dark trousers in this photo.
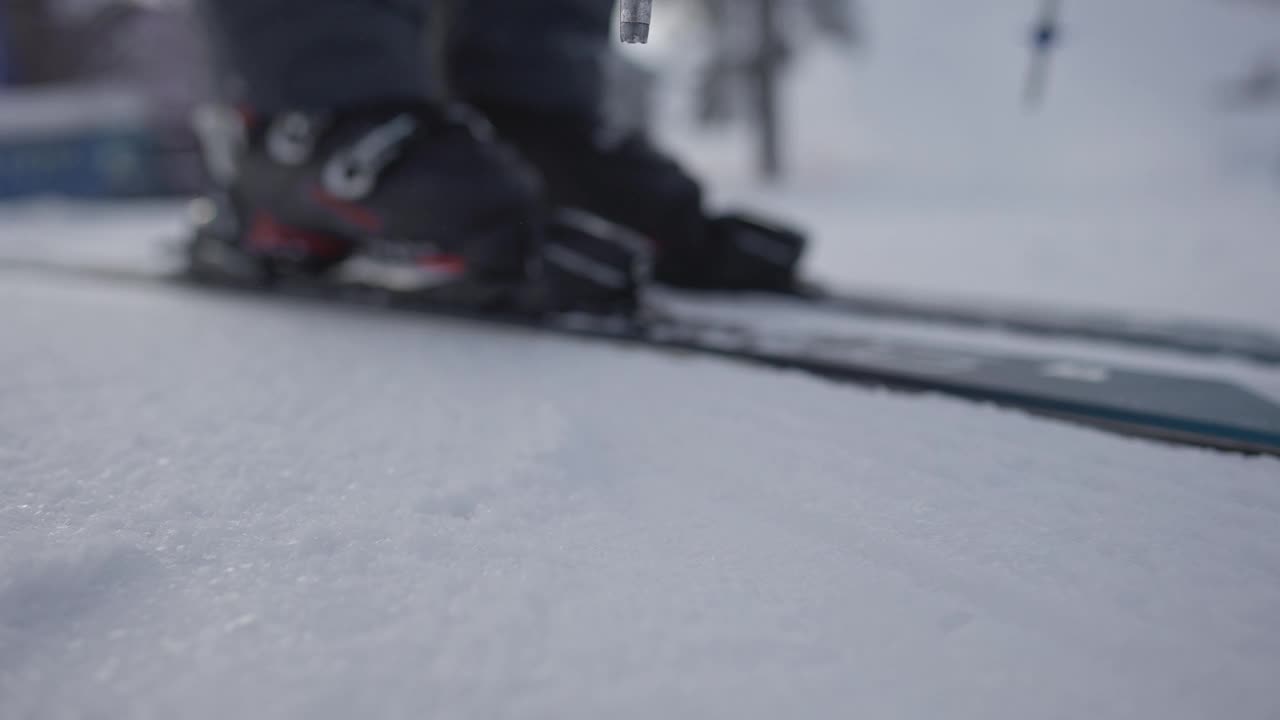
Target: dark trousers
(316, 54)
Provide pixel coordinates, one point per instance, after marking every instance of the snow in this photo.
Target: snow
(41, 113)
(216, 507)
(231, 507)
(920, 173)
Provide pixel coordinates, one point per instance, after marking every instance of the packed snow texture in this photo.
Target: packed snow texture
(219, 507)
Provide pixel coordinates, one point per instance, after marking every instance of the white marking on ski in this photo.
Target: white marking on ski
(402, 277)
(587, 267)
(1076, 371)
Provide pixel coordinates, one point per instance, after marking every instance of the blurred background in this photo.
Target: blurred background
(1121, 154)
(96, 97)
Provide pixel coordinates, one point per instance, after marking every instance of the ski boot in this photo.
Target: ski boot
(405, 196)
(622, 177)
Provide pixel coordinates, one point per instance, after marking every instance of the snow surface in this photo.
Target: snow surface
(226, 507)
(217, 507)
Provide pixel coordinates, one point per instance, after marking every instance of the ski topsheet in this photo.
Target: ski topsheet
(1182, 336)
(1198, 411)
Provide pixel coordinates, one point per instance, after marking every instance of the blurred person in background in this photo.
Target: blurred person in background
(454, 126)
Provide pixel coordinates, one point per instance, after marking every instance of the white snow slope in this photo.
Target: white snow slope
(216, 507)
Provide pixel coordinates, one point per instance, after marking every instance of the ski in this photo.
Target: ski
(1198, 338)
(1188, 410)
(754, 237)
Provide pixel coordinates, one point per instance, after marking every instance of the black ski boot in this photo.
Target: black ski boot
(401, 194)
(622, 177)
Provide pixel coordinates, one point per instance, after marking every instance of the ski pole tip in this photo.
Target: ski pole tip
(634, 32)
(634, 18)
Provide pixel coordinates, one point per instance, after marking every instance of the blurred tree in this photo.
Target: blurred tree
(751, 44)
(63, 41)
(38, 46)
(1257, 87)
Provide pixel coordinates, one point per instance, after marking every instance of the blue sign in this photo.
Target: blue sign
(91, 164)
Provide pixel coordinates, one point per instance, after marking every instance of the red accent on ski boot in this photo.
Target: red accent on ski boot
(269, 237)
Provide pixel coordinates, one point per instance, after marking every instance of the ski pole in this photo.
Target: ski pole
(1044, 37)
(634, 18)
(767, 69)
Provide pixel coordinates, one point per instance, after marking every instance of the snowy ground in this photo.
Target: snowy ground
(227, 508)
(217, 507)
